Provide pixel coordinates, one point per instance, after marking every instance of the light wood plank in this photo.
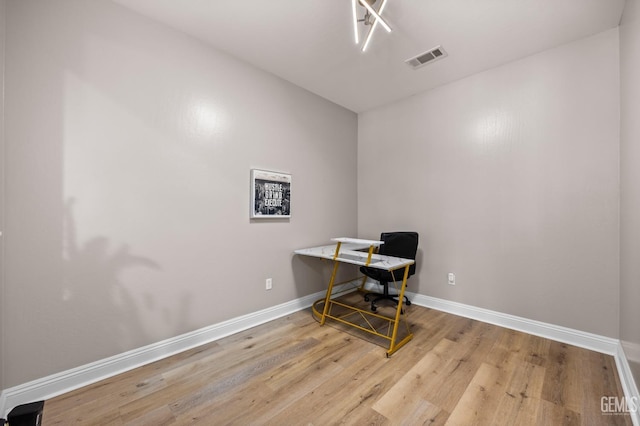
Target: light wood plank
(293, 371)
(406, 395)
(479, 402)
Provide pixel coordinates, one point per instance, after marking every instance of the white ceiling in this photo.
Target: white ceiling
(310, 42)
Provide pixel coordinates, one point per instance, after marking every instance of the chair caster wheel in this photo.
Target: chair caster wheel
(408, 302)
(373, 308)
(366, 298)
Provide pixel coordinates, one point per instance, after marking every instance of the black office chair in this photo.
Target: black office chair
(398, 244)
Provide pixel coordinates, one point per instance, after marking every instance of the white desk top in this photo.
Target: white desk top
(349, 254)
(367, 243)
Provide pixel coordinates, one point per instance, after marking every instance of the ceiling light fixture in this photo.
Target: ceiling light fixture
(371, 17)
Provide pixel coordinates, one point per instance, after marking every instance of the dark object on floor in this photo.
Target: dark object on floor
(26, 414)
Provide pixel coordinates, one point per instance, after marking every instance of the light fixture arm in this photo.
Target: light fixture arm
(371, 17)
(373, 27)
(355, 20)
(372, 11)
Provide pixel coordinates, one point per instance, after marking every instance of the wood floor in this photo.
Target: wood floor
(292, 371)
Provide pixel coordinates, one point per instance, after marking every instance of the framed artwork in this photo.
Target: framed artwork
(270, 195)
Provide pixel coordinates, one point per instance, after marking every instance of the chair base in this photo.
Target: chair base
(384, 296)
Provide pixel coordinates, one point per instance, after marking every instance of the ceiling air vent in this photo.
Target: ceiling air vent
(426, 57)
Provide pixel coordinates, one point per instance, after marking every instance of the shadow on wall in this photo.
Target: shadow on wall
(413, 283)
(93, 292)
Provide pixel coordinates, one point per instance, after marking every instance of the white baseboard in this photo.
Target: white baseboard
(629, 386)
(57, 384)
(3, 403)
(558, 333)
(66, 381)
(582, 339)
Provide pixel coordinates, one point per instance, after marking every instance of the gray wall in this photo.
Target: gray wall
(129, 148)
(511, 178)
(630, 185)
(2, 38)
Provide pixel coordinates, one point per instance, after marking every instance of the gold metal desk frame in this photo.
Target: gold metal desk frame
(348, 250)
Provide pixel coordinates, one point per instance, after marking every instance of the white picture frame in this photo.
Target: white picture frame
(270, 194)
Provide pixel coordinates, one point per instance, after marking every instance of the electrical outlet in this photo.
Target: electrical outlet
(451, 277)
(268, 283)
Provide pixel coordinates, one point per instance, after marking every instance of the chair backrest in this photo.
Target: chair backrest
(400, 244)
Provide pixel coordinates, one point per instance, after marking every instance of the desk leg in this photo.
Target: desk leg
(362, 284)
(327, 299)
(393, 346)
